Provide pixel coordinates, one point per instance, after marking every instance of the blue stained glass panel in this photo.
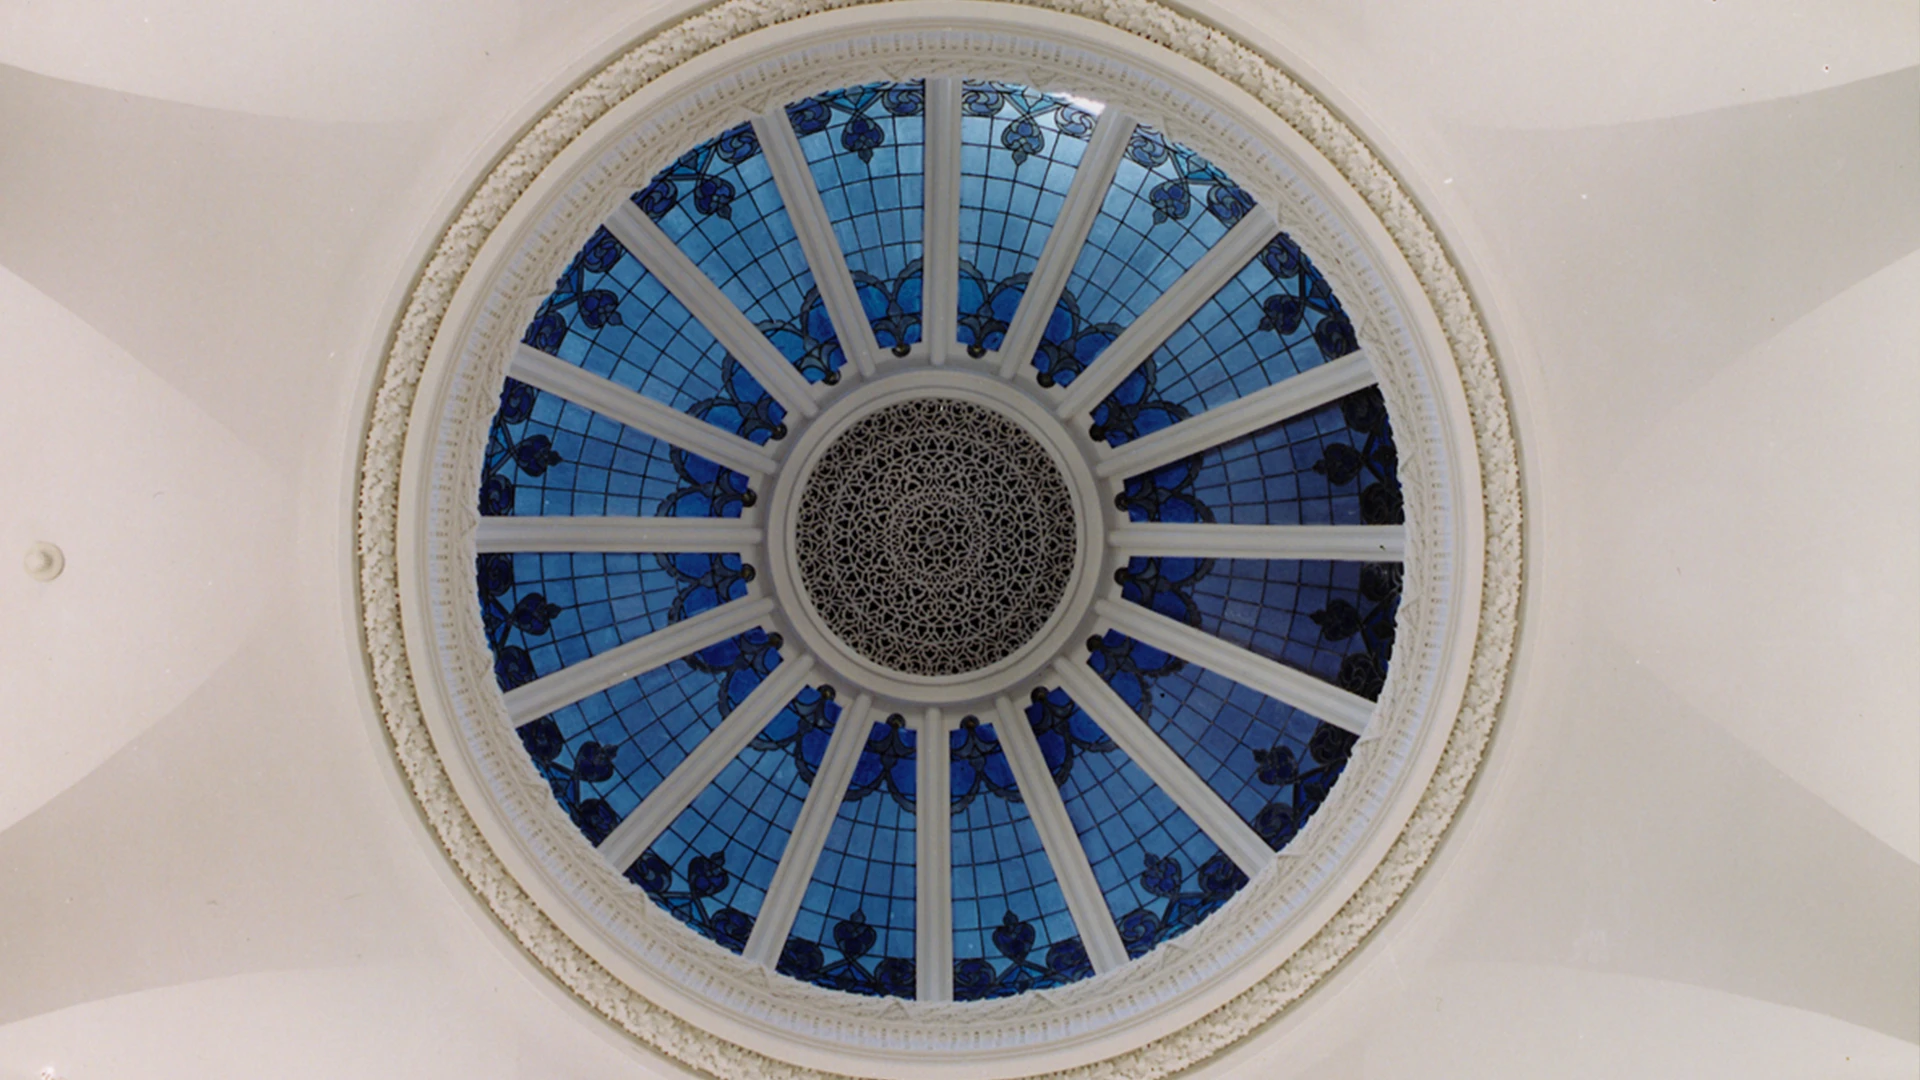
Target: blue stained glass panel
(866, 149)
(713, 865)
(1160, 874)
(1333, 619)
(1275, 319)
(1227, 733)
(1011, 928)
(609, 315)
(1335, 465)
(546, 455)
(543, 612)
(720, 204)
(1018, 153)
(1167, 206)
(606, 753)
(854, 929)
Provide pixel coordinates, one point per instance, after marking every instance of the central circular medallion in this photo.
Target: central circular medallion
(935, 537)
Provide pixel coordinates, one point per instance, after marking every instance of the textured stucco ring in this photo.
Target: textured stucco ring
(389, 638)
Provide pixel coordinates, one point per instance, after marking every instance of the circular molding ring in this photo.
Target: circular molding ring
(1004, 400)
(1258, 954)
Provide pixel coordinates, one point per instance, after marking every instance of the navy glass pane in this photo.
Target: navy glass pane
(613, 318)
(866, 149)
(1011, 928)
(546, 455)
(1275, 319)
(719, 203)
(1271, 762)
(604, 754)
(1333, 619)
(1018, 153)
(543, 612)
(1166, 207)
(854, 930)
(1333, 466)
(1160, 874)
(713, 865)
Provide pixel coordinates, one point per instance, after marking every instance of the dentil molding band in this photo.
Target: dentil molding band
(393, 669)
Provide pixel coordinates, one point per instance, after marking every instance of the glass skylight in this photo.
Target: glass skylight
(707, 706)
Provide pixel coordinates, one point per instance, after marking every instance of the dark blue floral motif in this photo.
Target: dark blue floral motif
(1024, 134)
(809, 340)
(1070, 342)
(703, 582)
(1164, 585)
(887, 762)
(595, 307)
(1374, 461)
(987, 308)
(974, 979)
(742, 661)
(1063, 731)
(508, 449)
(860, 135)
(1304, 785)
(593, 763)
(1365, 671)
(706, 877)
(1182, 908)
(976, 764)
(695, 174)
(1172, 199)
(1166, 494)
(1305, 294)
(531, 616)
(802, 729)
(1135, 407)
(742, 407)
(1130, 667)
(892, 307)
(891, 976)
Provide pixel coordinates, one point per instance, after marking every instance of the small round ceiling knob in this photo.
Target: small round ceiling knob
(44, 561)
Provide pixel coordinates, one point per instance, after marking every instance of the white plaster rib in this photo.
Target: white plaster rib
(637, 832)
(1069, 233)
(1223, 423)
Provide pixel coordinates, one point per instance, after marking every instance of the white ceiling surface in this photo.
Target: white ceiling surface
(1695, 851)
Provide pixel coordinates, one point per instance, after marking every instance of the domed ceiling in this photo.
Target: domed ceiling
(1026, 439)
(252, 823)
(934, 538)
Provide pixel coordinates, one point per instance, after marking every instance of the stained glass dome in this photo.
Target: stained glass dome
(939, 540)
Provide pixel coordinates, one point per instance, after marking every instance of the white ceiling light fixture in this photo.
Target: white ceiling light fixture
(892, 490)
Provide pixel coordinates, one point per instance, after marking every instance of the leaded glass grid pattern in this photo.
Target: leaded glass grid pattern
(1019, 151)
(547, 456)
(1275, 319)
(1159, 872)
(1314, 614)
(1227, 733)
(866, 148)
(711, 868)
(854, 930)
(604, 754)
(1166, 208)
(1011, 928)
(1335, 465)
(713, 864)
(720, 205)
(612, 317)
(560, 608)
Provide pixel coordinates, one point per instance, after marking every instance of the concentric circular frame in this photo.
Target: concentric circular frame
(1294, 922)
(1024, 663)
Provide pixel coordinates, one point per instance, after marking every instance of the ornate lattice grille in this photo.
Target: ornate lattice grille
(935, 537)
